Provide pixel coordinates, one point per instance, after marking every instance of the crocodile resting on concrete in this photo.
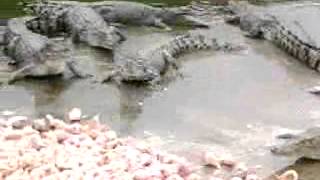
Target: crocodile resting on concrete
(302, 145)
(259, 24)
(33, 54)
(123, 12)
(149, 65)
(81, 22)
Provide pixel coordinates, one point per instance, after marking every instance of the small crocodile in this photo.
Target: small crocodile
(81, 22)
(33, 54)
(124, 12)
(259, 24)
(149, 65)
(302, 145)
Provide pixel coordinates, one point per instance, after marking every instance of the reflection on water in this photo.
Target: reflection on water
(131, 105)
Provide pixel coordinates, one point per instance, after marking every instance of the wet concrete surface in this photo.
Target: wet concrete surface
(225, 102)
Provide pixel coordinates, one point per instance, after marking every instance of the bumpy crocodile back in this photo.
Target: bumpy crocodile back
(49, 18)
(188, 42)
(256, 21)
(295, 46)
(147, 65)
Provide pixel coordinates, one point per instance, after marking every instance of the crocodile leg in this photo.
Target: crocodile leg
(170, 60)
(172, 63)
(160, 24)
(155, 82)
(113, 76)
(73, 67)
(20, 73)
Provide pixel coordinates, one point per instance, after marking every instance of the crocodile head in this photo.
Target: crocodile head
(50, 62)
(102, 38)
(306, 144)
(252, 19)
(180, 17)
(256, 24)
(136, 69)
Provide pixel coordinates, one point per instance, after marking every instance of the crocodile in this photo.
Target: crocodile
(2, 31)
(32, 54)
(302, 145)
(125, 12)
(3, 22)
(149, 65)
(257, 23)
(82, 23)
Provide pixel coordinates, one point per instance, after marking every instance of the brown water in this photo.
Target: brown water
(226, 102)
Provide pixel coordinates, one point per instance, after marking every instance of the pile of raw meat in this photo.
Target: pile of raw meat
(52, 149)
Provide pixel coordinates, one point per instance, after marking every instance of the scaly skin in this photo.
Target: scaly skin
(81, 22)
(85, 25)
(259, 24)
(34, 55)
(148, 66)
(306, 145)
(123, 12)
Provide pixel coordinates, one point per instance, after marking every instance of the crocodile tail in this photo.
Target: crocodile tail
(189, 42)
(296, 47)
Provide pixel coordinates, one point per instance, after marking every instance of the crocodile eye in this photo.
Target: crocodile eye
(12, 63)
(259, 34)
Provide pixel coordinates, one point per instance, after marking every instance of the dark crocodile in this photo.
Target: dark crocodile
(149, 65)
(302, 145)
(3, 22)
(82, 23)
(257, 23)
(2, 32)
(125, 12)
(33, 54)
(141, 14)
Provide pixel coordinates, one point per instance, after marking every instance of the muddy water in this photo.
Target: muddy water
(226, 102)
